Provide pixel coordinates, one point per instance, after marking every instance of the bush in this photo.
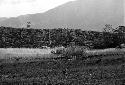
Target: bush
(74, 51)
(58, 51)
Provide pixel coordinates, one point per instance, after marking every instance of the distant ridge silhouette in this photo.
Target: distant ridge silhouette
(79, 14)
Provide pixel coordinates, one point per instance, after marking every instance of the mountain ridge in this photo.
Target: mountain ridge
(77, 14)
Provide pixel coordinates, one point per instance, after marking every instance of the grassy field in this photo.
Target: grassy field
(22, 52)
(97, 69)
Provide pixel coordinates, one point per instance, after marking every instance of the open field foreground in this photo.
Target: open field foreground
(94, 70)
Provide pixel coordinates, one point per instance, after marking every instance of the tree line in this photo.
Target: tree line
(36, 38)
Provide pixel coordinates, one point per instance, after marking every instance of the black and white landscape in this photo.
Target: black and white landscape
(79, 42)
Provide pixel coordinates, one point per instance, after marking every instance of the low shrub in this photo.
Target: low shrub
(74, 51)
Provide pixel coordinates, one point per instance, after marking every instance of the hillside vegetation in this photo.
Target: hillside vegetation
(85, 58)
(36, 38)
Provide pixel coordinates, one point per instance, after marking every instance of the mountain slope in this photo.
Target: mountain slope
(85, 14)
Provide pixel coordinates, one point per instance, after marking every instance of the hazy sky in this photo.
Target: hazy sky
(13, 8)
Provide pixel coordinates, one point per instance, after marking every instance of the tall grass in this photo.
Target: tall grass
(22, 52)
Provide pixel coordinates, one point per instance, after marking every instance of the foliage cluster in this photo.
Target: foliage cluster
(36, 38)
